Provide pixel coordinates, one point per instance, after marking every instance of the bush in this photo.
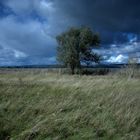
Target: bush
(96, 71)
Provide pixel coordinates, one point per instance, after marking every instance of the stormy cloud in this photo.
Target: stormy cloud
(29, 27)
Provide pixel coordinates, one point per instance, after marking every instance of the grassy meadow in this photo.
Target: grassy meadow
(40, 105)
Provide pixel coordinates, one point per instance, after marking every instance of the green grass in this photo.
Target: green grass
(36, 105)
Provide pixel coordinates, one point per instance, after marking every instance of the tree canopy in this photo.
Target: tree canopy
(76, 46)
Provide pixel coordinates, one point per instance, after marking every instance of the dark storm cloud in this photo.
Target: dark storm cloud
(117, 21)
(29, 27)
(111, 15)
(110, 18)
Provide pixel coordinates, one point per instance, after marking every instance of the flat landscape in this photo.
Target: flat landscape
(37, 105)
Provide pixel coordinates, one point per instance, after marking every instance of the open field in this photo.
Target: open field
(36, 105)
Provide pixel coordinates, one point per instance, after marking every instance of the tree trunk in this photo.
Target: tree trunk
(72, 70)
(79, 68)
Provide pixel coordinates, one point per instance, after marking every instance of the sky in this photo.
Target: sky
(28, 28)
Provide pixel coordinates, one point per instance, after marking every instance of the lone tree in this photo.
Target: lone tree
(76, 46)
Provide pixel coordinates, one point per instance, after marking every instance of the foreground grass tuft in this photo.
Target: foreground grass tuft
(42, 106)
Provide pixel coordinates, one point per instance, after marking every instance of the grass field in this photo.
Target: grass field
(36, 105)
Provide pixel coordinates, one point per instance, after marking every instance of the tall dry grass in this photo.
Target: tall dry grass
(37, 105)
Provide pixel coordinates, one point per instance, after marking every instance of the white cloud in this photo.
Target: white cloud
(118, 59)
(119, 53)
(19, 54)
(47, 5)
(28, 37)
(21, 40)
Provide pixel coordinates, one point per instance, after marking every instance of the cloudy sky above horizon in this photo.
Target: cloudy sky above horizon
(28, 28)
